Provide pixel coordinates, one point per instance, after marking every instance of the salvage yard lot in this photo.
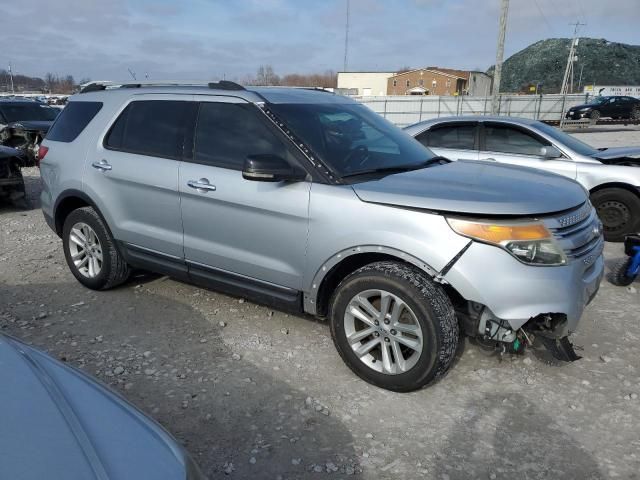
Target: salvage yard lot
(257, 393)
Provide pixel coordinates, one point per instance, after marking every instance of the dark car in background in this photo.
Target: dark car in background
(23, 125)
(616, 107)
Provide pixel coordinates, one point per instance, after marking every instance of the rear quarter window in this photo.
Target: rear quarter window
(73, 120)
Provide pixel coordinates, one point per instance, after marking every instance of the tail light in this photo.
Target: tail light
(42, 152)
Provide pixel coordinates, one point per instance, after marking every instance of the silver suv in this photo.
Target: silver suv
(308, 201)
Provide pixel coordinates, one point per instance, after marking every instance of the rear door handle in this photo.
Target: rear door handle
(102, 165)
(202, 185)
(489, 159)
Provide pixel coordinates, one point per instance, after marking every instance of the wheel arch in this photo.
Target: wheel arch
(71, 200)
(622, 185)
(345, 262)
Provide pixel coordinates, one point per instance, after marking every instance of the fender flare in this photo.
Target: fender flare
(310, 297)
(69, 193)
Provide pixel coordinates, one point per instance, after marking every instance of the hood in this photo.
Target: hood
(618, 152)
(477, 188)
(56, 419)
(584, 105)
(33, 125)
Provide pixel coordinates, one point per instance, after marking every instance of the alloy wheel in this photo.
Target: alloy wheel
(85, 250)
(383, 332)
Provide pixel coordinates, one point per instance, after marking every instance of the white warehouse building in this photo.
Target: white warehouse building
(367, 83)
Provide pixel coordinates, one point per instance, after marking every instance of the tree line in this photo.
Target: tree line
(66, 84)
(266, 76)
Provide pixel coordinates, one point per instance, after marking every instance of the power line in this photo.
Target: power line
(544, 17)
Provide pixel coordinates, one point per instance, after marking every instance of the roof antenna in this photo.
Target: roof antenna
(133, 74)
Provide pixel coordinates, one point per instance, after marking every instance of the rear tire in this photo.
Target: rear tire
(619, 275)
(413, 319)
(619, 210)
(635, 113)
(91, 252)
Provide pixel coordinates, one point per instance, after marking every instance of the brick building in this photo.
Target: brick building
(439, 81)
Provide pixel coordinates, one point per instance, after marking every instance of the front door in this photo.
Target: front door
(237, 227)
(505, 143)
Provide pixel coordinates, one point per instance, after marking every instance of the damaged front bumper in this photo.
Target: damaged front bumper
(517, 295)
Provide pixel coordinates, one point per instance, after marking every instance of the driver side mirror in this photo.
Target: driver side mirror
(549, 152)
(270, 168)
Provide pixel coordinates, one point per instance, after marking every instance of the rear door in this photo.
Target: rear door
(133, 173)
(237, 229)
(452, 140)
(516, 145)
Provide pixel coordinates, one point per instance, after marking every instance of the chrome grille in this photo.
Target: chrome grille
(576, 216)
(579, 233)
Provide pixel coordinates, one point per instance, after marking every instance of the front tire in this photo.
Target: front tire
(393, 326)
(619, 210)
(594, 115)
(91, 252)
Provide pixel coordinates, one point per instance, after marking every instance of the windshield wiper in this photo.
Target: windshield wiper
(400, 168)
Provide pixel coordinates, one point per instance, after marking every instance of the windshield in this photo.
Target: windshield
(17, 112)
(351, 138)
(599, 100)
(565, 139)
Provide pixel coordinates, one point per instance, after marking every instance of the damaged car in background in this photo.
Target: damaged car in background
(11, 183)
(23, 125)
(611, 175)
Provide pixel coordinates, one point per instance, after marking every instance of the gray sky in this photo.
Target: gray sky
(206, 39)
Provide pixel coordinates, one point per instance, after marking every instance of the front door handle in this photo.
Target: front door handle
(489, 159)
(202, 185)
(102, 165)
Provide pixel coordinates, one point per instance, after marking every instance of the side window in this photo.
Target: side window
(73, 120)
(227, 133)
(511, 140)
(461, 137)
(152, 127)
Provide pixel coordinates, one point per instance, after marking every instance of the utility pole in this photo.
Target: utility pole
(580, 77)
(11, 77)
(497, 73)
(568, 72)
(346, 37)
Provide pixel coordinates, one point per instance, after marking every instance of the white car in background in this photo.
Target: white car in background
(611, 175)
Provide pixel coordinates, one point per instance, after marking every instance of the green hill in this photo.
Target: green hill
(605, 63)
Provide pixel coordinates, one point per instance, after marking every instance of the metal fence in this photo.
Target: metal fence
(407, 110)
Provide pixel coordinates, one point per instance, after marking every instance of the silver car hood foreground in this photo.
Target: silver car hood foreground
(478, 188)
(619, 152)
(59, 424)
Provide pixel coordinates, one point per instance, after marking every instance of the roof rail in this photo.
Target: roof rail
(104, 85)
(226, 85)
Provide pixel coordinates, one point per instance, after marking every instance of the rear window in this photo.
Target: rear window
(152, 127)
(451, 136)
(73, 120)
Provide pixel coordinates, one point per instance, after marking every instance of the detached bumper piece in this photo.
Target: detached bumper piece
(560, 348)
(552, 332)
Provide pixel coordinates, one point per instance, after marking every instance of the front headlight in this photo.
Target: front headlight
(531, 243)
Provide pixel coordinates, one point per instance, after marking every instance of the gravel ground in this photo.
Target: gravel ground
(256, 393)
